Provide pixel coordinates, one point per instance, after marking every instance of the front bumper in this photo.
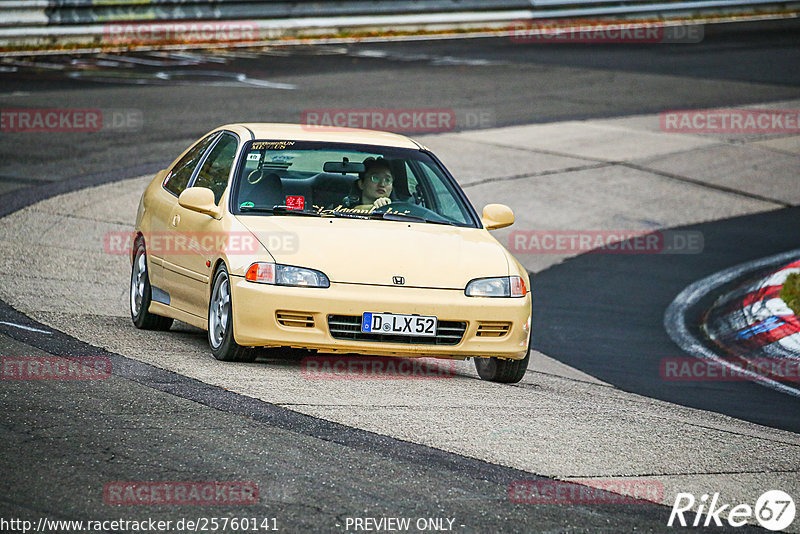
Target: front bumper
(275, 316)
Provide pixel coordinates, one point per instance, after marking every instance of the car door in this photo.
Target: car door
(190, 270)
(160, 245)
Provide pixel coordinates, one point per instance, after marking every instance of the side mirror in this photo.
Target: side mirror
(199, 199)
(497, 216)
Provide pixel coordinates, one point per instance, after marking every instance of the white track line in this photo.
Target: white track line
(675, 324)
(15, 325)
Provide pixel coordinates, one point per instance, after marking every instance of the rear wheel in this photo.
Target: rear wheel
(141, 294)
(504, 371)
(220, 322)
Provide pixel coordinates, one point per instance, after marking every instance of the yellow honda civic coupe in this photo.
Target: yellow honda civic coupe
(329, 239)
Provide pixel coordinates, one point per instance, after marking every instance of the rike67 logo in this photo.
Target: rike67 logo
(774, 510)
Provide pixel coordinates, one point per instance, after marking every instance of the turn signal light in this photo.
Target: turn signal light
(518, 288)
(261, 272)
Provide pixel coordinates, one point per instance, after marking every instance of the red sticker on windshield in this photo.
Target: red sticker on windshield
(295, 202)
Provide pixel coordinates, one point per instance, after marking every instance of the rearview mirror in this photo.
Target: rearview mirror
(199, 199)
(344, 166)
(497, 216)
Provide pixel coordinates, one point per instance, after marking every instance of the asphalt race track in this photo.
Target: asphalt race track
(622, 339)
(517, 83)
(592, 405)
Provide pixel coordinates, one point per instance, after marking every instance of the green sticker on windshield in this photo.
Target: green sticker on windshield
(246, 205)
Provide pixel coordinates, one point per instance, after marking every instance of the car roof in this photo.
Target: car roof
(302, 132)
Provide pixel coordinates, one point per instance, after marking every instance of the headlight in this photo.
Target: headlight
(286, 275)
(504, 286)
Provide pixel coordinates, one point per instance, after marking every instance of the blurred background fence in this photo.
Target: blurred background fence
(43, 23)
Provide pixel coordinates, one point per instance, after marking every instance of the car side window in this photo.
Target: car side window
(217, 167)
(412, 180)
(446, 204)
(181, 173)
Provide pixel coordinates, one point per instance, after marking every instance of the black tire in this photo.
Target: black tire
(503, 371)
(220, 322)
(140, 294)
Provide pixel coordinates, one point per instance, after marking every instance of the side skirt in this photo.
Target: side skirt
(168, 311)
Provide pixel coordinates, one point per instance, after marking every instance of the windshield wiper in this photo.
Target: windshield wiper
(286, 210)
(283, 210)
(395, 216)
(261, 209)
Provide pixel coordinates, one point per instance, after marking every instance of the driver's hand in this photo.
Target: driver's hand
(383, 201)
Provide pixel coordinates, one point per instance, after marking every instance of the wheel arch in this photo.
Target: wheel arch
(137, 235)
(214, 268)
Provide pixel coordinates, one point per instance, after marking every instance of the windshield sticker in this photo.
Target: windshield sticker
(355, 212)
(295, 202)
(283, 158)
(246, 205)
(271, 145)
(253, 156)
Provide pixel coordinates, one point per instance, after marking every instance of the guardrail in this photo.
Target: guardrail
(93, 11)
(58, 23)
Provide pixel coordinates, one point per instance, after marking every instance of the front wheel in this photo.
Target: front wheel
(141, 294)
(220, 322)
(503, 371)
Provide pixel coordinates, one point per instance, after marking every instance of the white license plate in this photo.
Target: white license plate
(398, 324)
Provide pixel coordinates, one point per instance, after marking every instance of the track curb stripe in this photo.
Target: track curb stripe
(758, 318)
(675, 316)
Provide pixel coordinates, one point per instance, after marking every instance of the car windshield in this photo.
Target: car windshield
(347, 180)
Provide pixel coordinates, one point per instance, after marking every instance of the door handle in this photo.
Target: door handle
(176, 219)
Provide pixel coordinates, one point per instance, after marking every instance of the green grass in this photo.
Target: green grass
(791, 292)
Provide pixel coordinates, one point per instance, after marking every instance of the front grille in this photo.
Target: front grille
(488, 329)
(349, 327)
(295, 319)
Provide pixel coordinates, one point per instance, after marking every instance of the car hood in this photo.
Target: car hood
(374, 252)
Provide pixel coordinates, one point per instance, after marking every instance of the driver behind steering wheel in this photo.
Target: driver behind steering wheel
(375, 185)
